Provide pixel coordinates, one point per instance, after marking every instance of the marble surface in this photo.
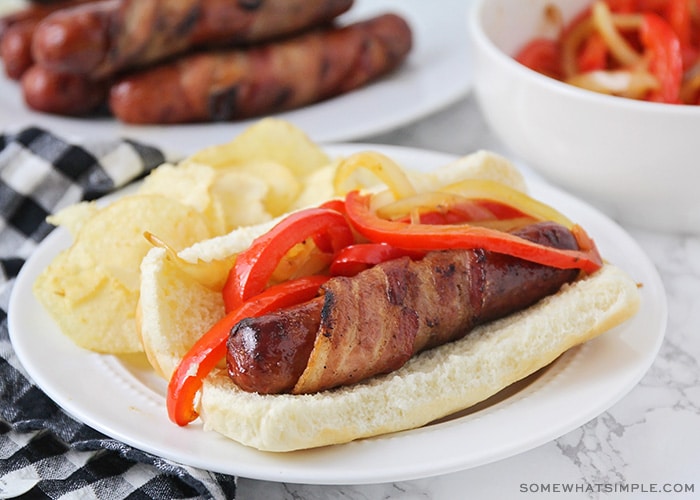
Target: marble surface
(645, 446)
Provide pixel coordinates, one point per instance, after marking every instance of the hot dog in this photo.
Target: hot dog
(399, 308)
(107, 37)
(239, 84)
(453, 371)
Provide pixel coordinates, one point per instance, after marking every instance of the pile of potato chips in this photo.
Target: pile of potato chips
(92, 288)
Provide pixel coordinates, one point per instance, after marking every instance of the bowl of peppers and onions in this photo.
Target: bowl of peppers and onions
(600, 96)
(639, 49)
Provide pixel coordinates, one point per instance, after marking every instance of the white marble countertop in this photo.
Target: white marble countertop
(649, 441)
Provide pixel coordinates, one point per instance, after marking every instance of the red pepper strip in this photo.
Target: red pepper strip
(324, 241)
(428, 237)
(679, 16)
(666, 61)
(337, 204)
(501, 210)
(541, 55)
(657, 6)
(356, 258)
(622, 6)
(460, 211)
(254, 266)
(206, 353)
(470, 211)
(593, 55)
(439, 217)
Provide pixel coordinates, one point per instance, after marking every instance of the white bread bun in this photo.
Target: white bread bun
(176, 310)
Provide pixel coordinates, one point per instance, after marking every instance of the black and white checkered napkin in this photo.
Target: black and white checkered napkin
(44, 453)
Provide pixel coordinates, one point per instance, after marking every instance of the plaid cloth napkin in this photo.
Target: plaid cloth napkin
(44, 453)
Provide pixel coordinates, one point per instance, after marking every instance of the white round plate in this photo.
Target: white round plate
(436, 74)
(124, 399)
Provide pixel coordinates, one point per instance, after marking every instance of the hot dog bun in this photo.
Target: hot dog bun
(175, 309)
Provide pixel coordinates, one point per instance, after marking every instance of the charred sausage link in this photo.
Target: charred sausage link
(283, 341)
(107, 37)
(231, 85)
(374, 322)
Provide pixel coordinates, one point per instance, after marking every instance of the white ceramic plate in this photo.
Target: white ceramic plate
(125, 400)
(436, 74)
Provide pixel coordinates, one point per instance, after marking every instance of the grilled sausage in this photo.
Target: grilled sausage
(241, 84)
(61, 93)
(374, 322)
(111, 36)
(271, 351)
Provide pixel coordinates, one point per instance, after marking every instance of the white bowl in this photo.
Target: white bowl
(637, 161)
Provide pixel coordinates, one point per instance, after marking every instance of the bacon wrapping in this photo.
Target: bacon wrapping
(238, 84)
(374, 322)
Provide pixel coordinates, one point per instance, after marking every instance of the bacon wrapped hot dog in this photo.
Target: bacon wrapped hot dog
(374, 322)
(406, 328)
(237, 84)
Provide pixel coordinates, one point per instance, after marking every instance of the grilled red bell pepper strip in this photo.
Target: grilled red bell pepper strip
(434, 237)
(336, 204)
(666, 62)
(254, 266)
(622, 6)
(542, 55)
(356, 258)
(593, 55)
(678, 14)
(206, 353)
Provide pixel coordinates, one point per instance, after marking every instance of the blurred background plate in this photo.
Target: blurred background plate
(436, 74)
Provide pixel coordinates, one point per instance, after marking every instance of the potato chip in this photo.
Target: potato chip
(269, 139)
(283, 186)
(188, 184)
(92, 289)
(220, 192)
(73, 216)
(89, 306)
(237, 200)
(115, 238)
